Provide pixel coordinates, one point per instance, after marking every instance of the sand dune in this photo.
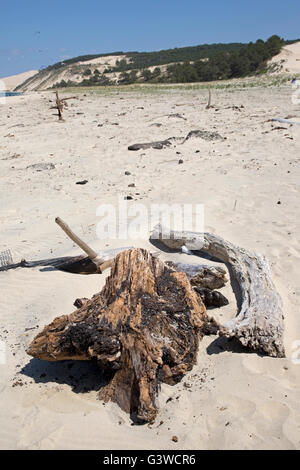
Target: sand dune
(236, 400)
(109, 60)
(15, 80)
(288, 61)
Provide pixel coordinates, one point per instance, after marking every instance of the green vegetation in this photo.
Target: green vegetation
(141, 60)
(248, 60)
(140, 89)
(94, 80)
(81, 58)
(209, 62)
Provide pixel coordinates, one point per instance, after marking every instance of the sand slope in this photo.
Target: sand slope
(15, 80)
(288, 60)
(105, 61)
(234, 399)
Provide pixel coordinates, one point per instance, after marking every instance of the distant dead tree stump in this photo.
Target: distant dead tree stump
(209, 105)
(61, 104)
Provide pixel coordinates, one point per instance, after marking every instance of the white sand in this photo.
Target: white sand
(108, 60)
(15, 80)
(288, 59)
(237, 400)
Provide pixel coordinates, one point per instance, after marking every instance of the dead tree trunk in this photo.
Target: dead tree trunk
(259, 323)
(144, 327)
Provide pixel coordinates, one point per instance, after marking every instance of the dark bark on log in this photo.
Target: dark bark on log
(161, 144)
(205, 279)
(259, 323)
(144, 327)
(155, 145)
(211, 298)
(205, 135)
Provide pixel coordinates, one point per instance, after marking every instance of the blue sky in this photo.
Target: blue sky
(34, 34)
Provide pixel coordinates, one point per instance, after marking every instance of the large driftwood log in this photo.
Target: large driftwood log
(158, 145)
(144, 327)
(161, 144)
(200, 275)
(204, 279)
(259, 323)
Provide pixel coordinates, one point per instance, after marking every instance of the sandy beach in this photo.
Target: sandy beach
(249, 185)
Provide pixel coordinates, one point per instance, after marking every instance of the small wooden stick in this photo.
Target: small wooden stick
(99, 262)
(59, 106)
(209, 98)
(69, 98)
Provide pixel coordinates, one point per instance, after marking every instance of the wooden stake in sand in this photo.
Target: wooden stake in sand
(60, 104)
(209, 98)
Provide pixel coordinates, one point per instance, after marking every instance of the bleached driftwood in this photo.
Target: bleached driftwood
(259, 323)
(94, 262)
(200, 276)
(100, 263)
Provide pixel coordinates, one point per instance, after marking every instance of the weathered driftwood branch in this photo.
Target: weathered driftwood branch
(200, 276)
(88, 250)
(60, 104)
(144, 328)
(161, 144)
(259, 323)
(99, 262)
(74, 264)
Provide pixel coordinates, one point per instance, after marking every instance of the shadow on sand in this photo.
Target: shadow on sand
(81, 376)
